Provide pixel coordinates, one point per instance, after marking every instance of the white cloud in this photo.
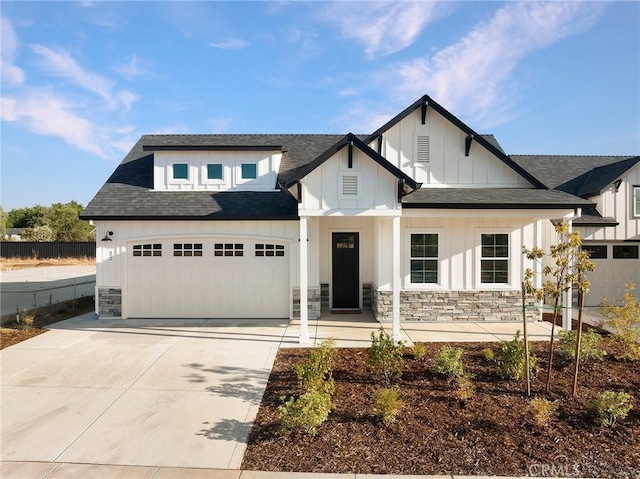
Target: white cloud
(474, 75)
(384, 28)
(131, 69)
(10, 73)
(45, 113)
(229, 44)
(61, 64)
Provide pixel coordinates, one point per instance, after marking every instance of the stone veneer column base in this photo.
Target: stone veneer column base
(313, 302)
(451, 305)
(109, 302)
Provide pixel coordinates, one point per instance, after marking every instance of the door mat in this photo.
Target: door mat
(346, 311)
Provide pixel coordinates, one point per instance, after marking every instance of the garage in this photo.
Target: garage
(616, 265)
(207, 278)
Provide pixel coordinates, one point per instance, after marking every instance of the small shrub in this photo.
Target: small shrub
(449, 362)
(418, 351)
(543, 409)
(510, 362)
(610, 406)
(305, 413)
(316, 373)
(488, 354)
(386, 355)
(387, 404)
(28, 320)
(466, 388)
(624, 319)
(590, 345)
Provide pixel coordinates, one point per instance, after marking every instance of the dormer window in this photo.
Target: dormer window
(249, 171)
(214, 171)
(180, 171)
(636, 201)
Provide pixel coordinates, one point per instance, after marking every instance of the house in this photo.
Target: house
(423, 219)
(14, 234)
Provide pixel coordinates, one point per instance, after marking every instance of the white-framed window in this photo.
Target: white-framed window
(180, 171)
(248, 171)
(213, 173)
(424, 261)
(494, 258)
(148, 250)
(636, 201)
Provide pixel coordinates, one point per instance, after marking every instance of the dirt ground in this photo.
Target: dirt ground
(7, 264)
(13, 332)
(492, 433)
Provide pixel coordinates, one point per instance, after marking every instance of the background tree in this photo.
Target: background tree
(3, 226)
(61, 219)
(28, 217)
(39, 233)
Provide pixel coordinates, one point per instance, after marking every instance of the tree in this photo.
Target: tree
(568, 265)
(63, 220)
(28, 217)
(40, 233)
(3, 226)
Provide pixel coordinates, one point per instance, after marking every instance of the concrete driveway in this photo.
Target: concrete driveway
(175, 393)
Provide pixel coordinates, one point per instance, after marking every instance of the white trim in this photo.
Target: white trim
(304, 281)
(442, 259)
(204, 172)
(479, 285)
(179, 181)
(635, 200)
(396, 280)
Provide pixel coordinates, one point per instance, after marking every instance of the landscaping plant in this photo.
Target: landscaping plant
(306, 412)
(387, 404)
(510, 360)
(449, 362)
(316, 373)
(386, 355)
(611, 406)
(590, 346)
(624, 319)
(543, 409)
(418, 351)
(568, 268)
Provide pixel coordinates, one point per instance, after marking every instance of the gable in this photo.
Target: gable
(457, 155)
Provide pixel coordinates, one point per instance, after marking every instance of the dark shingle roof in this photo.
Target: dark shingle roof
(578, 175)
(480, 198)
(591, 217)
(128, 193)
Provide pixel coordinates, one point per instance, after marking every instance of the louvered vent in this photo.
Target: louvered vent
(422, 150)
(350, 185)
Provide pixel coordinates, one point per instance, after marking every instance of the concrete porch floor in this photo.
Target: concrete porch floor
(354, 330)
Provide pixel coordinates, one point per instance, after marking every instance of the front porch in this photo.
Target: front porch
(354, 330)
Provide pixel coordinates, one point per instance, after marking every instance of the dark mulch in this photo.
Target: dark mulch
(493, 433)
(13, 332)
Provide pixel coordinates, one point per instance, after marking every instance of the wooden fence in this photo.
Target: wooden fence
(46, 250)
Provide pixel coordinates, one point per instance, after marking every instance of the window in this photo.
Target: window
(228, 249)
(214, 171)
(424, 258)
(494, 262)
(249, 171)
(596, 251)
(263, 249)
(187, 249)
(625, 252)
(636, 201)
(154, 249)
(180, 171)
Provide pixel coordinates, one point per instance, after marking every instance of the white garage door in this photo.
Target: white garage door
(207, 279)
(616, 265)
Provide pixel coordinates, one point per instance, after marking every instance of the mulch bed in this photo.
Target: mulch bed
(493, 433)
(13, 332)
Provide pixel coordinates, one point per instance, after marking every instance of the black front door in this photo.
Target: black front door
(346, 267)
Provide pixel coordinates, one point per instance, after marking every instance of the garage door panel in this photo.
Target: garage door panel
(209, 286)
(610, 276)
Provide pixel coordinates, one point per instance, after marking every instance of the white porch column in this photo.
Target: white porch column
(567, 296)
(304, 312)
(396, 279)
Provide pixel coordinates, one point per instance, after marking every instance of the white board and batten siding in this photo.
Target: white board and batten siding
(434, 155)
(267, 165)
(364, 189)
(211, 283)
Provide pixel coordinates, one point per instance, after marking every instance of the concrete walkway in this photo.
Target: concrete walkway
(163, 398)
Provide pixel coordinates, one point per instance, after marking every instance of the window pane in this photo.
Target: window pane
(424, 245)
(625, 252)
(636, 194)
(180, 171)
(249, 171)
(596, 251)
(214, 171)
(424, 271)
(494, 271)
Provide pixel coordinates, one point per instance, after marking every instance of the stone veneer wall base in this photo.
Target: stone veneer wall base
(451, 305)
(109, 302)
(313, 302)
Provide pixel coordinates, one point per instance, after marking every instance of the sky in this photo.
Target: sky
(82, 81)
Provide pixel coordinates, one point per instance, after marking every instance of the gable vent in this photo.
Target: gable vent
(422, 150)
(350, 185)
